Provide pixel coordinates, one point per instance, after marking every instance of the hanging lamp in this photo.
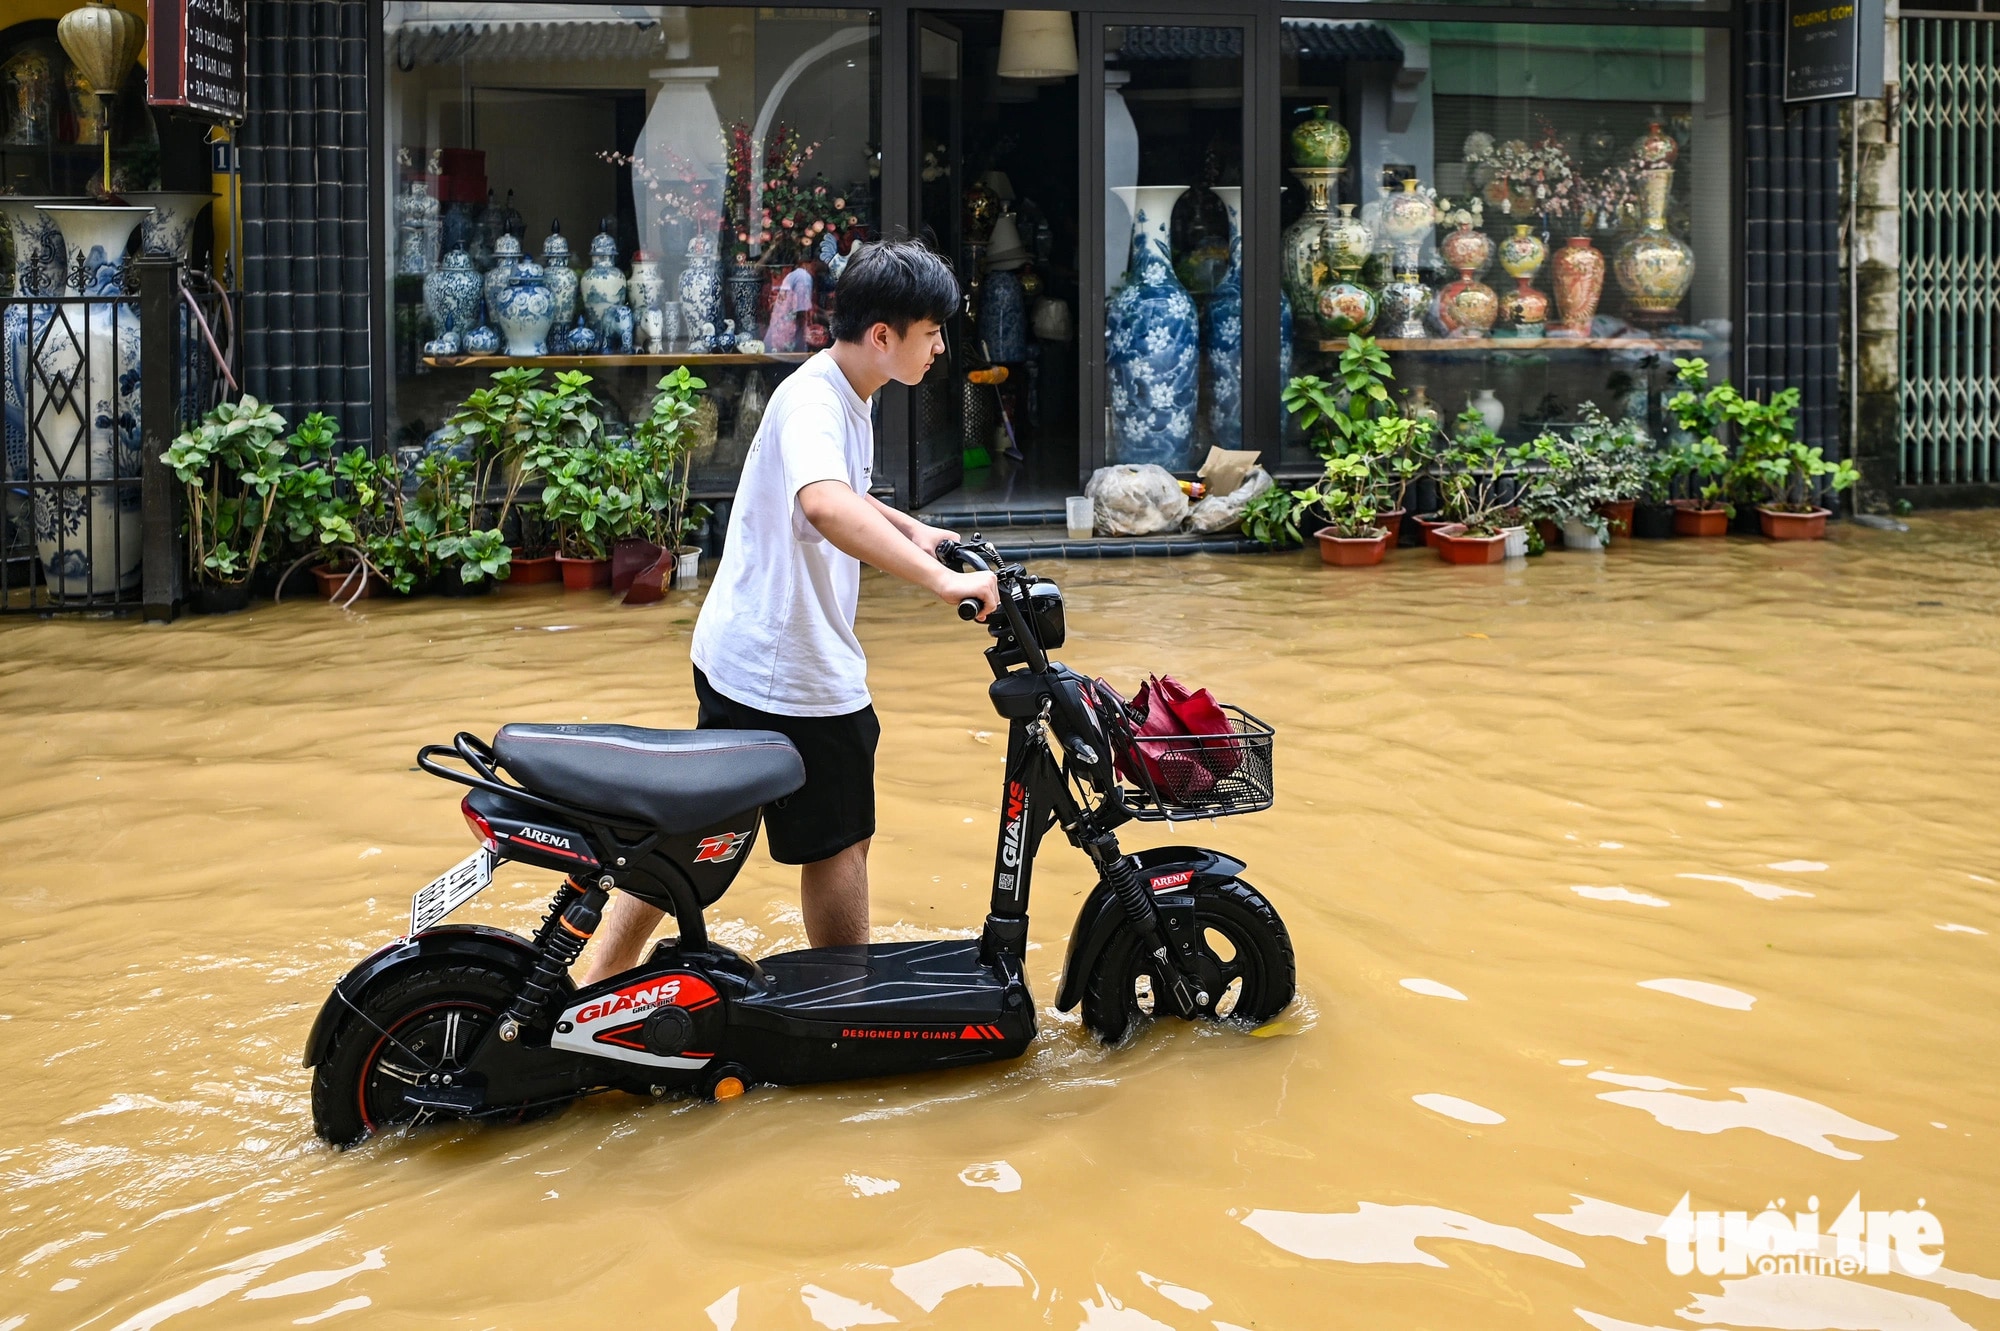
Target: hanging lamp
(103, 42)
(1037, 44)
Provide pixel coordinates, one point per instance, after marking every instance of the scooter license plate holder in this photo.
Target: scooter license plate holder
(451, 889)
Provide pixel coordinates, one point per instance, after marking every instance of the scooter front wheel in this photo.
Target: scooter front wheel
(1245, 942)
(420, 1029)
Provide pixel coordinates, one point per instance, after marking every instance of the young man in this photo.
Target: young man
(774, 648)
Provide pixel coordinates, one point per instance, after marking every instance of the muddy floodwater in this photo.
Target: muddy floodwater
(1613, 879)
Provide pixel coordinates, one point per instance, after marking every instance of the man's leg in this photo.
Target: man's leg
(628, 922)
(834, 895)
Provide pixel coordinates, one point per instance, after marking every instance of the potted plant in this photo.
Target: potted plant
(655, 465)
(1273, 518)
(442, 541)
(1469, 496)
(506, 426)
(1619, 451)
(1776, 467)
(1357, 418)
(1346, 496)
(360, 530)
(1568, 483)
(247, 489)
(1700, 460)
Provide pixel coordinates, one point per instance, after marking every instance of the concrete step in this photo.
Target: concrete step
(1053, 542)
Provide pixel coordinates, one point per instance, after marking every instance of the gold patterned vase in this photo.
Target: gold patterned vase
(1302, 260)
(1579, 283)
(1523, 253)
(1655, 267)
(1406, 219)
(1348, 241)
(1319, 141)
(1467, 250)
(1468, 307)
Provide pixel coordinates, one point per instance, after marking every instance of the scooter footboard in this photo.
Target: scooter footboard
(1165, 870)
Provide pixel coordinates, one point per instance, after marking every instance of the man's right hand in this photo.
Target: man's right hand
(981, 587)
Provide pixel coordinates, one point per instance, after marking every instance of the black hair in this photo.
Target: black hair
(894, 282)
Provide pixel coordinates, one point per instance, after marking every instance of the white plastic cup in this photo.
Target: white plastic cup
(687, 569)
(1080, 512)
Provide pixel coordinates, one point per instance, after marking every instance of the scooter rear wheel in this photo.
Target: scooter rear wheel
(429, 1022)
(1246, 943)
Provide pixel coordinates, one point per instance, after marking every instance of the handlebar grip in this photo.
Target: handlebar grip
(970, 607)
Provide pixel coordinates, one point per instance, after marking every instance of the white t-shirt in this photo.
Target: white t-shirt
(777, 630)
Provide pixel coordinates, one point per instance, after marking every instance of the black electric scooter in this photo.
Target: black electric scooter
(471, 1022)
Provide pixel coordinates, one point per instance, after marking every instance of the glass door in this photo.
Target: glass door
(940, 403)
(1166, 330)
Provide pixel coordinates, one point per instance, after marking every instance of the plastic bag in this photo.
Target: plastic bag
(1136, 500)
(1167, 752)
(1224, 512)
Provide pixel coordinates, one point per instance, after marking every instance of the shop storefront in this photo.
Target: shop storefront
(1158, 216)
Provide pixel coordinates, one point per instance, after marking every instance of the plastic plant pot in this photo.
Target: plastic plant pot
(1576, 536)
(582, 575)
(1781, 525)
(1455, 547)
(1352, 551)
(1690, 520)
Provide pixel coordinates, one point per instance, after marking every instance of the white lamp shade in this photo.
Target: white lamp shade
(1037, 44)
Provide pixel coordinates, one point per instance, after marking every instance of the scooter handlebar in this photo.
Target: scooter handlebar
(970, 607)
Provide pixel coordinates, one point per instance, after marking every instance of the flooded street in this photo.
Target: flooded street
(1611, 879)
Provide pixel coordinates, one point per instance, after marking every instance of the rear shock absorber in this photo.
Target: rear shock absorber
(561, 940)
(1122, 878)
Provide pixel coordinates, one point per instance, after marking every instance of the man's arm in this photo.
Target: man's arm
(871, 531)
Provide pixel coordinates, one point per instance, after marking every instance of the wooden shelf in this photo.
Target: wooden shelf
(615, 362)
(1466, 345)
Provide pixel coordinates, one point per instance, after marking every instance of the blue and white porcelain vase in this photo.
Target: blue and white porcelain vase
(617, 329)
(89, 545)
(525, 311)
(1003, 318)
(452, 293)
(557, 272)
(1222, 333)
(38, 271)
(506, 256)
(483, 340)
(603, 283)
(169, 229)
(645, 288)
(701, 286)
(580, 340)
(745, 285)
(1151, 343)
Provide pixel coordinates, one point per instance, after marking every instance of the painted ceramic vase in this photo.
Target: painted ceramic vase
(1655, 267)
(1302, 259)
(1467, 250)
(525, 310)
(700, 286)
(1319, 141)
(444, 344)
(1419, 407)
(1524, 309)
(1579, 283)
(1348, 241)
(169, 228)
(417, 231)
(580, 339)
(1523, 253)
(615, 326)
(558, 273)
(1222, 333)
(644, 288)
(87, 363)
(1490, 409)
(1404, 304)
(602, 286)
(506, 255)
(1655, 148)
(483, 340)
(1406, 220)
(743, 287)
(452, 294)
(39, 263)
(39, 268)
(1346, 308)
(1468, 308)
(1152, 344)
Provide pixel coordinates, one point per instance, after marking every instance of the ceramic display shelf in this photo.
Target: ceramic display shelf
(1462, 345)
(561, 362)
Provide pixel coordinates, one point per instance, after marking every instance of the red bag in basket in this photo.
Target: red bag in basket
(1163, 716)
(1200, 714)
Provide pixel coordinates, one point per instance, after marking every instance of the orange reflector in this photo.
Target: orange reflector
(729, 1088)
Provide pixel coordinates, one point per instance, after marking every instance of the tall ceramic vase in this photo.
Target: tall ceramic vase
(1579, 283)
(1655, 267)
(1151, 343)
(1302, 260)
(1222, 333)
(169, 228)
(38, 271)
(86, 425)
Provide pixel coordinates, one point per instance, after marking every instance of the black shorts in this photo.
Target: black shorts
(836, 806)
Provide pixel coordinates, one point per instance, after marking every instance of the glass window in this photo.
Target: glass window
(620, 189)
(1529, 217)
(1173, 311)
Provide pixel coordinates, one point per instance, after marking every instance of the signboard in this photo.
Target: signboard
(1828, 49)
(195, 56)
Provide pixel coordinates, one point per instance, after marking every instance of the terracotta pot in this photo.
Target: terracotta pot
(1782, 526)
(329, 580)
(1550, 533)
(1455, 547)
(1392, 523)
(581, 575)
(1430, 523)
(629, 558)
(540, 569)
(1617, 518)
(1352, 551)
(1653, 522)
(1690, 520)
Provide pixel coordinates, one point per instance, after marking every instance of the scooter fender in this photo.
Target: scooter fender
(1168, 871)
(462, 942)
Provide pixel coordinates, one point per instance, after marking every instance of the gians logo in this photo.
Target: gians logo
(1010, 831)
(688, 991)
(721, 848)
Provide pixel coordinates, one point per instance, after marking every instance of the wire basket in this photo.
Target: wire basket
(1199, 776)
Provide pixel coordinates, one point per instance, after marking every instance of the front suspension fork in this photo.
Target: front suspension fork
(1121, 877)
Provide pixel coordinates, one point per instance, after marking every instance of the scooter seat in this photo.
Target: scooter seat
(673, 780)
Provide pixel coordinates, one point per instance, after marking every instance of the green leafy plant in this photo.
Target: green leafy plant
(1567, 480)
(506, 426)
(1773, 466)
(1273, 517)
(248, 489)
(1701, 459)
(1346, 495)
(663, 444)
(1472, 476)
(1335, 417)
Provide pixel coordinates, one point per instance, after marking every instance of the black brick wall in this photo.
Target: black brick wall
(305, 211)
(1791, 178)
